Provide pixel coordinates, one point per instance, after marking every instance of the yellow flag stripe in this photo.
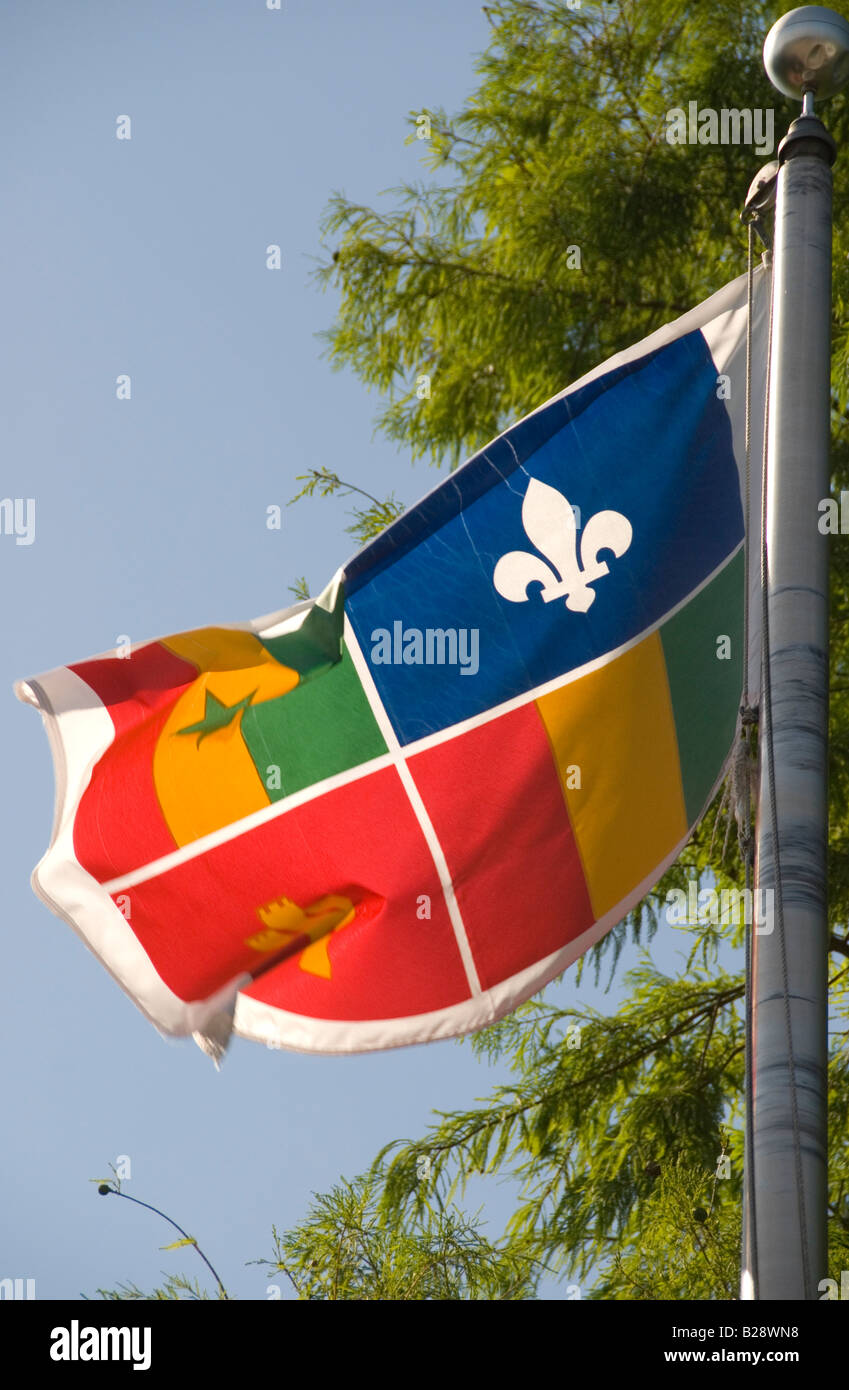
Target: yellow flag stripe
(205, 783)
(217, 648)
(613, 738)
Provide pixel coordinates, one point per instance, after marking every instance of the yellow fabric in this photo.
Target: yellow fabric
(204, 783)
(616, 727)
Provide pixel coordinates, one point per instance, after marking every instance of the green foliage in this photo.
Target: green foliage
(300, 588)
(177, 1288)
(367, 521)
(469, 276)
(344, 1250)
(593, 1117)
(689, 1245)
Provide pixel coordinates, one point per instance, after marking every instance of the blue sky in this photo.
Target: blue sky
(147, 257)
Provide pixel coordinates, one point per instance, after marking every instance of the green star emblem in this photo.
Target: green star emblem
(216, 716)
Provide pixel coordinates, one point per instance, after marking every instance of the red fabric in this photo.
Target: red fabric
(498, 809)
(360, 840)
(119, 825)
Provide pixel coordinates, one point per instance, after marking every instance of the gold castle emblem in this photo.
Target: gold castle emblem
(284, 922)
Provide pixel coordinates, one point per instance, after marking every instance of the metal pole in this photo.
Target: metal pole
(790, 954)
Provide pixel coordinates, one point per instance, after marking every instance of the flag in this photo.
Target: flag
(393, 813)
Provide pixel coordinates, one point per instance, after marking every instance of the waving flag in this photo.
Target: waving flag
(393, 813)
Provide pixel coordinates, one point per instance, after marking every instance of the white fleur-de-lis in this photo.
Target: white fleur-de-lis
(549, 524)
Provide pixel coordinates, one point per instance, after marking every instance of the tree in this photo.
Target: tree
(558, 226)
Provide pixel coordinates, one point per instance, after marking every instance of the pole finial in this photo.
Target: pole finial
(807, 51)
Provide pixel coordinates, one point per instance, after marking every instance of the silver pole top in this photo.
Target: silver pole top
(807, 51)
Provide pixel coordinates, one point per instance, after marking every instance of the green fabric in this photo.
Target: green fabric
(316, 645)
(216, 716)
(314, 731)
(705, 690)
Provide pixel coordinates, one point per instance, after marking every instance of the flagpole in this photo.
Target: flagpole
(785, 1254)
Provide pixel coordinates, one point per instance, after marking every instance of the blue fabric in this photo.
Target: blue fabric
(650, 440)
